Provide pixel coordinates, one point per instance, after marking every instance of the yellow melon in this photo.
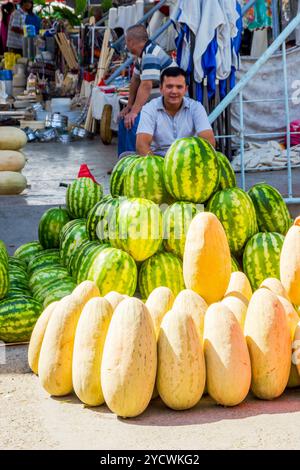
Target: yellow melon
(290, 263)
(114, 298)
(192, 304)
(275, 286)
(238, 305)
(239, 283)
(159, 302)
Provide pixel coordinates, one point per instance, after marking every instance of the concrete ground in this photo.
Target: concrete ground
(30, 419)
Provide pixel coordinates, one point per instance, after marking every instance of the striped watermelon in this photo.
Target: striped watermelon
(18, 292)
(176, 221)
(262, 256)
(99, 218)
(42, 277)
(50, 226)
(54, 286)
(18, 316)
(79, 254)
(18, 279)
(82, 195)
(161, 270)
(44, 259)
(137, 228)
(191, 170)
(227, 175)
(58, 290)
(28, 250)
(271, 210)
(234, 265)
(114, 270)
(144, 177)
(72, 235)
(4, 270)
(235, 210)
(87, 258)
(118, 173)
(16, 262)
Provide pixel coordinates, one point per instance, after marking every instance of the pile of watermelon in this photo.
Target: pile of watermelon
(133, 239)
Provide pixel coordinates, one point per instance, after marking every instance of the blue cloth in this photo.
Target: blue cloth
(127, 137)
(33, 19)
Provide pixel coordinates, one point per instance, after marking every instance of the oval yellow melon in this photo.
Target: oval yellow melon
(85, 291)
(181, 366)
(12, 138)
(55, 361)
(206, 260)
(12, 182)
(275, 286)
(294, 377)
(269, 343)
(11, 160)
(192, 304)
(159, 302)
(239, 283)
(90, 336)
(37, 337)
(228, 368)
(129, 360)
(238, 305)
(114, 298)
(290, 263)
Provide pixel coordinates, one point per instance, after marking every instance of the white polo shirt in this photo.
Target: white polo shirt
(189, 121)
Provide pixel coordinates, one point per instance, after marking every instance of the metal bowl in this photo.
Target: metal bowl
(57, 121)
(46, 135)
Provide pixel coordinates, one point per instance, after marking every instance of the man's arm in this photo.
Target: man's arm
(134, 86)
(208, 135)
(143, 144)
(142, 96)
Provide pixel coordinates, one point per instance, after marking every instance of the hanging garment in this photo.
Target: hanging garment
(259, 16)
(259, 42)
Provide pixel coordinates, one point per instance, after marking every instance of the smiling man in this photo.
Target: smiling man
(171, 116)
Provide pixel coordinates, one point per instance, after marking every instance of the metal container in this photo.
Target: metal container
(30, 133)
(46, 135)
(57, 121)
(79, 132)
(64, 138)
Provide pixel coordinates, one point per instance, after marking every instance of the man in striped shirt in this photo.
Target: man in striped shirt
(151, 60)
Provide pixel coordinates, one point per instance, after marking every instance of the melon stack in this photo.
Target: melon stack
(12, 160)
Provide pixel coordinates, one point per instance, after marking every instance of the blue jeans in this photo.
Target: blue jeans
(127, 137)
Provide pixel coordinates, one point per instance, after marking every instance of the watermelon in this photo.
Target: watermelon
(4, 271)
(16, 262)
(114, 270)
(118, 174)
(137, 228)
(54, 285)
(236, 212)
(161, 270)
(227, 175)
(234, 265)
(79, 254)
(176, 221)
(261, 257)
(87, 256)
(44, 276)
(44, 259)
(18, 279)
(82, 195)
(271, 210)
(99, 218)
(144, 178)
(18, 316)
(191, 170)
(28, 250)
(50, 226)
(18, 292)
(58, 290)
(72, 235)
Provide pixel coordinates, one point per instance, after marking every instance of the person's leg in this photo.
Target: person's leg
(127, 137)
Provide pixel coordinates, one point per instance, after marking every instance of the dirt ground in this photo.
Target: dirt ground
(30, 419)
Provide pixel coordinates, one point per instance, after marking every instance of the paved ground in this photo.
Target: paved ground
(29, 419)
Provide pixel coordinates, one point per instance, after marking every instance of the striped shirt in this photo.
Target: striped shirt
(17, 20)
(152, 62)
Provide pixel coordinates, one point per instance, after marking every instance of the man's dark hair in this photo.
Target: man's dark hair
(172, 72)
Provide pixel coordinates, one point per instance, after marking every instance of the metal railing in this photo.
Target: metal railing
(237, 92)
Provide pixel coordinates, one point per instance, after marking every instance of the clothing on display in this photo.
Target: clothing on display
(125, 16)
(259, 16)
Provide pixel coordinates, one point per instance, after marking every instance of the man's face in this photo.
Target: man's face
(131, 46)
(173, 89)
(27, 6)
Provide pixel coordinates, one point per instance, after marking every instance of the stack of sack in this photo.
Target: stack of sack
(12, 160)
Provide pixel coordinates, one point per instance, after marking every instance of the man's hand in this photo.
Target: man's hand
(124, 112)
(129, 119)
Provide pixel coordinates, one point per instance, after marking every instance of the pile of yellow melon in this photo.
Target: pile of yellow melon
(215, 336)
(12, 160)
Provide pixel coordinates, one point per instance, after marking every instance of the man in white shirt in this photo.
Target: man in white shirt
(171, 116)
